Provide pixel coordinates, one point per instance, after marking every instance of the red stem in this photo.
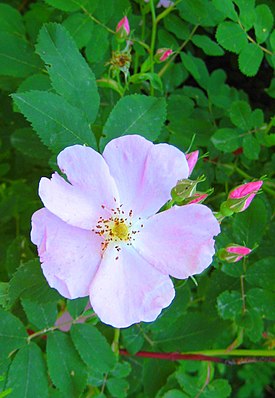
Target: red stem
(175, 356)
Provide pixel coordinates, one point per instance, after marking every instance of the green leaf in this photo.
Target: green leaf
(219, 388)
(229, 304)
(29, 282)
(118, 388)
(26, 141)
(271, 89)
(196, 67)
(133, 339)
(174, 394)
(57, 123)
(231, 37)
(12, 334)
(80, 28)
(135, 114)
(154, 79)
(226, 139)
(66, 369)
(262, 301)
(122, 369)
(257, 326)
(251, 147)
(246, 12)
(179, 106)
(263, 22)
(67, 5)
(11, 21)
(17, 57)
(249, 225)
(70, 74)
(98, 46)
(262, 273)
(207, 45)
(77, 306)
(27, 374)
(199, 12)
(4, 293)
(250, 59)
(93, 347)
(226, 8)
(40, 315)
(240, 115)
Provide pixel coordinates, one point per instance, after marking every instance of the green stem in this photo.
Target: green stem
(153, 39)
(249, 38)
(236, 353)
(115, 343)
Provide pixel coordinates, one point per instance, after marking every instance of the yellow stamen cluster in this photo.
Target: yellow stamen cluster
(116, 228)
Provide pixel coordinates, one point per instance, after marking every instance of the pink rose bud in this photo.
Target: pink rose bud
(192, 159)
(233, 253)
(122, 29)
(198, 198)
(240, 198)
(163, 54)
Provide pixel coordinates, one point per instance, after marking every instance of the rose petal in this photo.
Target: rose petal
(70, 256)
(128, 290)
(144, 173)
(92, 186)
(179, 241)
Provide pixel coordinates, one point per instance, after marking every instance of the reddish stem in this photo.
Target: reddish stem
(175, 356)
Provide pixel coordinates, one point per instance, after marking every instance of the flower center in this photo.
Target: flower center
(120, 230)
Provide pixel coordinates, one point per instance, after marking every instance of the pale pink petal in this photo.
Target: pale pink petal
(70, 256)
(79, 203)
(144, 173)
(179, 241)
(128, 290)
(192, 159)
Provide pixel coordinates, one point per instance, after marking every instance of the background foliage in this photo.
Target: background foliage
(57, 90)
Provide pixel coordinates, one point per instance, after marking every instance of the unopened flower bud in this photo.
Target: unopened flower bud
(198, 197)
(192, 159)
(240, 198)
(122, 29)
(233, 253)
(185, 189)
(163, 54)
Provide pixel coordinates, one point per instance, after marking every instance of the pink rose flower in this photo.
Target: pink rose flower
(99, 234)
(192, 159)
(233, 253)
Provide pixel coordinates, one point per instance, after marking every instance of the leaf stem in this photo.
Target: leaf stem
(254, 42)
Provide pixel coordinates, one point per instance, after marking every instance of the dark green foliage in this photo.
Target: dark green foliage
(59, 87)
